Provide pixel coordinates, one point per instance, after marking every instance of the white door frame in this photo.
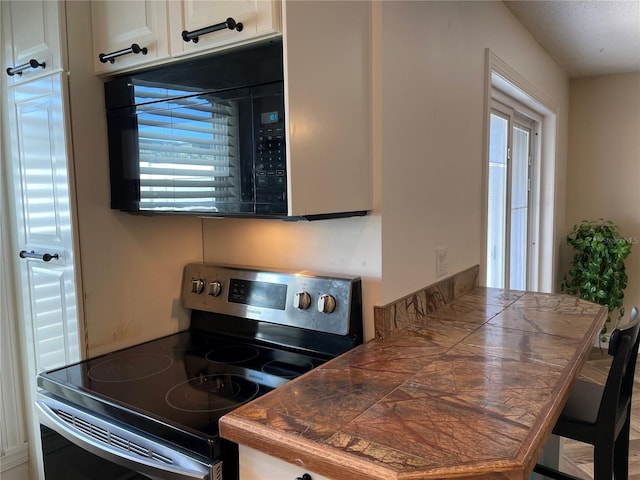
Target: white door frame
(500, 76)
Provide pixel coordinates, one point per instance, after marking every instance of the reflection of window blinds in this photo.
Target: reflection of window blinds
(188, 153)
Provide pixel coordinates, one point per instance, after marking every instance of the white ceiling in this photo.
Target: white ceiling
(585, 38)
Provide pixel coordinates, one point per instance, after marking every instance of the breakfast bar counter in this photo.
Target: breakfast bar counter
(468, 389)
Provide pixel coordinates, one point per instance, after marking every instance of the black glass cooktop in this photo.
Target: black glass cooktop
(177, 387)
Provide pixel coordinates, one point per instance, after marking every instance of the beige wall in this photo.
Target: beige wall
(433, 114)
(349, 246)
(603, 173)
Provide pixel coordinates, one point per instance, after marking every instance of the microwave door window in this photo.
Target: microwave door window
(189, 155)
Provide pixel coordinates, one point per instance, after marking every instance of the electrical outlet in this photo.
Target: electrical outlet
(441, 261)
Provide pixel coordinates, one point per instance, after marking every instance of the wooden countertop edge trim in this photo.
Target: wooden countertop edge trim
(298, 451)
(561, 394)
(333, 463)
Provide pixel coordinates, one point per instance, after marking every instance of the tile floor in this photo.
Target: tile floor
(20, 472)
(577, 457)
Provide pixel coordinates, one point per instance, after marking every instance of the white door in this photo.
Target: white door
(509, 200)
(13, 434)
(43, 223)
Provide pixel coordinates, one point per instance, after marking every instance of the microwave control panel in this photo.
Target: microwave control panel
(270, 159)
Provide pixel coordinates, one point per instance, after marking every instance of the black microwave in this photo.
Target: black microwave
(205, 136)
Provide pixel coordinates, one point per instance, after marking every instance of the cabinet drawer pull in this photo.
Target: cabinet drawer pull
(45, 257)
(229, 23)
(111, 57)
(33, 63)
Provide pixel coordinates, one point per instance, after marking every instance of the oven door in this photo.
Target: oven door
(79, 445)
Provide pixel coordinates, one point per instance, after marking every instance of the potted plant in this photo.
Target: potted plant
(597, 270)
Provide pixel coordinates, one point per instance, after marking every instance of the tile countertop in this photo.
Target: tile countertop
(470, 391)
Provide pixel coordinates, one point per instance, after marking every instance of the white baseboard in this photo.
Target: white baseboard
(14, 457)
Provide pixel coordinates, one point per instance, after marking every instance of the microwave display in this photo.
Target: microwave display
(269, 117)
(182, 142)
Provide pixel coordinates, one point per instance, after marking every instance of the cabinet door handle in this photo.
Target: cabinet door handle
(33, 63)
(229, 23)
(111, 57)
(45, 257)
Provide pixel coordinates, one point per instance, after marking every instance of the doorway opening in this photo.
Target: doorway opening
(513, 160)
(519, 185)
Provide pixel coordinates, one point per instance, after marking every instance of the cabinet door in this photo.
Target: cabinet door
(41, 191)
(256, 465)
(337, 36)
(259, 18)
(31, 31)
(118, 25)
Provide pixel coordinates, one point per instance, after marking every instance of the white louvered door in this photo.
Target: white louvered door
(41, 190)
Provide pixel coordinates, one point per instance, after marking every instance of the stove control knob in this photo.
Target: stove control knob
(302, 300)
(197, 286)
(326, 304)
(215, 288)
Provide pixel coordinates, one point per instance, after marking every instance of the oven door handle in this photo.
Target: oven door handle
(155, 460)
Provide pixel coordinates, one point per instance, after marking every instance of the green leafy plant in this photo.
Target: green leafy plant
(597, 270)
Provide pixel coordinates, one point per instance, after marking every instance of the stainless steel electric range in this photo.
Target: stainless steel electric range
(152, 410)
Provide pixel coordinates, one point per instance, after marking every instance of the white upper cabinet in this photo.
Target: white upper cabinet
(327, 72)
(31, 31)
(120, 29)
(251, 19)
(154, 29)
